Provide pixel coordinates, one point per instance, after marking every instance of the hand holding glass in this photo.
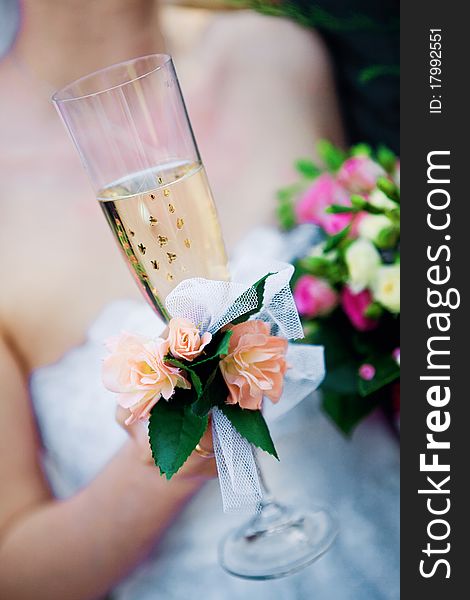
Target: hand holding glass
(131, 129)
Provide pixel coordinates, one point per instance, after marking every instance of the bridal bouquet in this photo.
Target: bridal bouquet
(347, 286)
(225, 354)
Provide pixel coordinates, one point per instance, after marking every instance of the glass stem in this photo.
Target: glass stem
(268, 498)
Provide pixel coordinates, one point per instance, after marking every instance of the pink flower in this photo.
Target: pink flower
(324, 192)
(359, 174)
(367, 372)
(185, 340)
(396, 356)
(136, 371)
(314, 296)
(354, 305)
(255, 365)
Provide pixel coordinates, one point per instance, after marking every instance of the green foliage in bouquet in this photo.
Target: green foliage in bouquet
(346, 286)
(176, 426)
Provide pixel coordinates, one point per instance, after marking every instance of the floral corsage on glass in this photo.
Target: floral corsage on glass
(347, 286)
(226, 351)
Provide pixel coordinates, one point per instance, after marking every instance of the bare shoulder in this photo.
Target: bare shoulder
(271, 42)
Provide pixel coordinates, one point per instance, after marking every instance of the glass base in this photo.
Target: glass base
(277, 542)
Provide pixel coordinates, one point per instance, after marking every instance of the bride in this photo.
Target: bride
(82, 513)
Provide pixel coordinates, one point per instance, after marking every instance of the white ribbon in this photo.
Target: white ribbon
(213, 304)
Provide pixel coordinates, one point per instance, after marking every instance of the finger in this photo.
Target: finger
(122, 414)
(206, 442)
(138, 433)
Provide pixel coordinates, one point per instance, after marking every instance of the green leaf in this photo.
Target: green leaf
(174, 431)
(196, 382)
(348, 410)
(342, 378)
(176, 363)
(374, 311)
(288, 193)
(389, 188)
(334, 240)
(361, 150)
(386, 371)
(386, 158)
(336, 209)
(358, 201)
(332, 157)
(189, 369)
(316, 265)
(373, 71)
(387, 237)
(259, 289)
(215, 392)
(222, 348)
(286, 216)
(251, 425)
(307, 168)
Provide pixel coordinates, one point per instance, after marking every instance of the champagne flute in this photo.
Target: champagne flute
(131, 129)
(130, 126)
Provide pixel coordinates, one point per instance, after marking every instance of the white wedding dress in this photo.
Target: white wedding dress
(357, 478)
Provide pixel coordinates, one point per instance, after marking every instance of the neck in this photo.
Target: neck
(61, 41)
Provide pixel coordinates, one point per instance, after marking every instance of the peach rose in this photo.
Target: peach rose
(255, 365)
(185, 340)
(136, 371)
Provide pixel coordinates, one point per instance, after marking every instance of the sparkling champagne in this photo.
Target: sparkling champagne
(169, 233)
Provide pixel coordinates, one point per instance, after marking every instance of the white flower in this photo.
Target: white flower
(386, 287)
(380, 200)
(363, 261)
(370, 226)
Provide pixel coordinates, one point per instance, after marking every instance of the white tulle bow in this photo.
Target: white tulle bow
(211, 305)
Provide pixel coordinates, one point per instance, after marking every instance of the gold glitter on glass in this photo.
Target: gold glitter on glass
(187, 243)
(180, 223)
(162, 240)
(152, 196)
(131, 233)
(160, 180)
(169, 276)
(166, 193)
(171, 257)
(142, 248)
(171, 208)
(155, 264)
(153, 220)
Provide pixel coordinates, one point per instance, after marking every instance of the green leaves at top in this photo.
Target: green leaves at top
(174, 431)
(242, 300)
(386, 158)
(334, 240)
(307, 168)
(332, 157)
(251, 425)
